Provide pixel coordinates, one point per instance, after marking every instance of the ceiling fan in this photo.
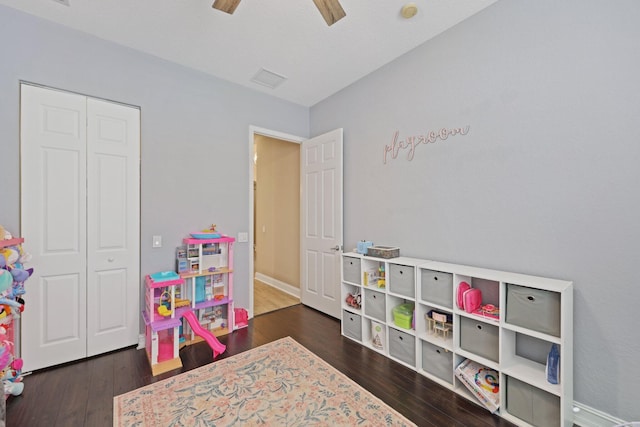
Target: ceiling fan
(331, 10)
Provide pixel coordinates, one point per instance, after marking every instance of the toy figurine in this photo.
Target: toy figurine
(354, 300)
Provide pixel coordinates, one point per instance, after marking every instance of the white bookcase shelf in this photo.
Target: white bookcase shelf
(523, 316)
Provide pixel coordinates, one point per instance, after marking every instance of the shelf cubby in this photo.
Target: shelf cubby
(521, 317)
(428, 330)
(374, 304)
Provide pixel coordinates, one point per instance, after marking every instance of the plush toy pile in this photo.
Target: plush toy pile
(12, 277)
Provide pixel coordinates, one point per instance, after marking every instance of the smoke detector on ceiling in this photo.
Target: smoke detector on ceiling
(268, 78)
(409, 10)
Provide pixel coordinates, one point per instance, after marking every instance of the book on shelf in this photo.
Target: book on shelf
(482, 382)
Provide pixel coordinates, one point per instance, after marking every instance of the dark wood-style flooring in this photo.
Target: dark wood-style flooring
(81, 393)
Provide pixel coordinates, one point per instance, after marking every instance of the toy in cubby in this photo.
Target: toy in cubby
(470, 299)
(241, 318)
(354, 300)
(209, 287)
(403, 315)
(181, 260)
(374, 275)
(440, 324)
(214, 318)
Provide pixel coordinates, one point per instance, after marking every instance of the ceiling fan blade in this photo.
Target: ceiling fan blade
(331, 10)
(228, 6)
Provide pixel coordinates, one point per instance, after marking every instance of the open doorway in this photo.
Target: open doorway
(275, 235)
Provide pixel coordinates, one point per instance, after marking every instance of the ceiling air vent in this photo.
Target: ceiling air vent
(268, 78)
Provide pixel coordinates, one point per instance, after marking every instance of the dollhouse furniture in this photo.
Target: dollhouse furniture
(437, 324)
(208, 284)
(166, 316)
(162, 326)
(190, 306)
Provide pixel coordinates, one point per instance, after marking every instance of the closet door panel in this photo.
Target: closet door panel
(113, 159)
(53, 221)
(60, 326)
(61, 200)
(111, 286)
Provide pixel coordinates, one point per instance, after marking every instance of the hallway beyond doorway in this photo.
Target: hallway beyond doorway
(267, 298)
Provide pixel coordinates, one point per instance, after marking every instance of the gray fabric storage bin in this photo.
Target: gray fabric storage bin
(402, 280)
(352, 325)
(402, 346)
(374, 305)
(479, 338)
(351, 269)
(530, 404)
(534, 309)
(437, 361)
(437, 287)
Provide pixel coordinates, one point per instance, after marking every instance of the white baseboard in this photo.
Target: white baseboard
(141, 342)
(585, 416)
(275, 283)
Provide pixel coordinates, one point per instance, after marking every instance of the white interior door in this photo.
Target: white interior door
(322, 233)
(113, 211)
(53, 223)
(58, 220)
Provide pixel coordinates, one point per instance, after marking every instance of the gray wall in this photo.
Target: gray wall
(195, 132)
(545, 182)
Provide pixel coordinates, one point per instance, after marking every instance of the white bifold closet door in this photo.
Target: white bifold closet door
(80, 217)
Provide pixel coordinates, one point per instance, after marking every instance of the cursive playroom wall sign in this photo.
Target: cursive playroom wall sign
(411, 142)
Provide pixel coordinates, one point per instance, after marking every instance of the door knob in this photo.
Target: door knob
(336, 248)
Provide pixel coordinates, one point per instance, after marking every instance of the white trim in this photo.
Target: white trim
(275, 283)
(273, 134)
(29, 83)
(253, 131)
(141, 342)
(586, 416)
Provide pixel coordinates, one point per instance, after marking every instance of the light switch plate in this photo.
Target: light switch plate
(157, 241)
(243, 237)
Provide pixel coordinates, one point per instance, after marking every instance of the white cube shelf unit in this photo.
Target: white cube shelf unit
(531, 314)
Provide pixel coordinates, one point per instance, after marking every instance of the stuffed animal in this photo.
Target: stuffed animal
(10, 255)
(4, 234)
(20, 275)
(13, 371)
(14, 389)
(12, 278)
(12, 285)
(6, 280)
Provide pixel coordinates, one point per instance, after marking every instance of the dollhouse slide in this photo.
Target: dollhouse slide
(217, 346)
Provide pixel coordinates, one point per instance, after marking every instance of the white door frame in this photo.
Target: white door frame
(253, 131)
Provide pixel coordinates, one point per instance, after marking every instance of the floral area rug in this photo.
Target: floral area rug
(277, 384)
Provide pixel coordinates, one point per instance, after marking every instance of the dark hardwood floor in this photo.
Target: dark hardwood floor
(81, 393)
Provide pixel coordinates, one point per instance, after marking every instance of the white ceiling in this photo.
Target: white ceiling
(288, 37)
